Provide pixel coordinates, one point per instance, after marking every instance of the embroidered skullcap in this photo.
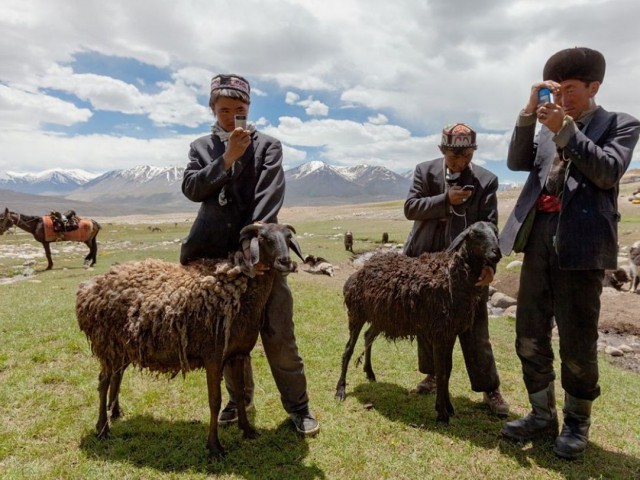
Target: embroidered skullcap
(579, 63)
(232, 82)
(458, 135)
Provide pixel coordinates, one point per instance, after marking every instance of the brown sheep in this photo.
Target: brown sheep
(170, 318)
(432, 296)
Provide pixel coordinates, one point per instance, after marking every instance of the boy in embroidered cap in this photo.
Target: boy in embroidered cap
(237, 177)
(458, 136)
(447, 195)
(565, 221)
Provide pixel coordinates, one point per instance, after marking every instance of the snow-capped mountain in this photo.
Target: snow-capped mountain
(49, 182)
(315, 181)
(377, 180)
(159, 188)
(142, 185)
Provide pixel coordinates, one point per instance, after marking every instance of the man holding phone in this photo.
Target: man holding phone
(566, 223)
(236, 174)
(447, 195)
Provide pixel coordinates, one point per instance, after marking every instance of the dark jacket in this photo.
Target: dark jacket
(587, 235)
(255, 192)
(428, 205)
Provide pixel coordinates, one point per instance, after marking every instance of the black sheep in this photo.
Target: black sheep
(432, 296)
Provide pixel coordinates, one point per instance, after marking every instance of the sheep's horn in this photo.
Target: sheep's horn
(290, 227)
(254, 227)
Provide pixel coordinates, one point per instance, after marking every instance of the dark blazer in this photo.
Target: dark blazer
(255, 192)
(587, 235)
(428, 204)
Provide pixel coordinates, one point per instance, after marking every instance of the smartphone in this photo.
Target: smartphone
(241, 121)
(468, 188)
(544, 96)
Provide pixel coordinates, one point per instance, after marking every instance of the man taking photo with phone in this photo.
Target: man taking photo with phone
(448, 194)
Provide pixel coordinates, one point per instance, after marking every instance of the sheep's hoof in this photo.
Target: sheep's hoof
(371, 377)
(216, 453)
(116, 413)
(250, 434)
(443, 420)
(102, 432)
(340, 394)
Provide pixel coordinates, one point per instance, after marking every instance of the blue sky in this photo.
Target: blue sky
(101, 86)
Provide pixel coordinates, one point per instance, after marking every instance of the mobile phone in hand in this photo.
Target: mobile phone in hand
(544, 96)
(468, 188)
(241, 121)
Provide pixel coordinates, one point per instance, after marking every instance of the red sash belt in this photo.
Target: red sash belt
(548, 203)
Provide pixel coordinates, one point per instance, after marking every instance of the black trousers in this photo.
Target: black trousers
(281, 350)
(572, 298)
(476, 349)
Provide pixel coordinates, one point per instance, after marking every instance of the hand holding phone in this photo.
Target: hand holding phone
(544, 96)
(241, 121)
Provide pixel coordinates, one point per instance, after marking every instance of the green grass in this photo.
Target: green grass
(48, 398)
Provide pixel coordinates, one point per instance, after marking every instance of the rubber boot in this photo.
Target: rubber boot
(542, 421)
(572, 441)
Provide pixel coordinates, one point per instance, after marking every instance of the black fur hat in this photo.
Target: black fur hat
(579, 63)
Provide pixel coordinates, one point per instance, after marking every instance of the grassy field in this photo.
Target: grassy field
(48, 380)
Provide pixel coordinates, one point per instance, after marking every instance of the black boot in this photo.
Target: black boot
(542, 421)
(572, 441)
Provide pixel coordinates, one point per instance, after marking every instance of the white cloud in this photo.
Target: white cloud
(291, 98)
(29, 110)
(314, 107)
(424, 64)
(93, 153)
(311, 107)
(379, 119)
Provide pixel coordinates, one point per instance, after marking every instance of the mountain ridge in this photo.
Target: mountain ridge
(159, 188)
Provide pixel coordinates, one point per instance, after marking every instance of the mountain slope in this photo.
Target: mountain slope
(159, 188)
(49, 182)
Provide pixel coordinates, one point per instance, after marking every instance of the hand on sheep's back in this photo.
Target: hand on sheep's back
(486, 277)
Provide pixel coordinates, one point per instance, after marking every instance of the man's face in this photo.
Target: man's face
(576, 97)
(225, 110)
(457, 159)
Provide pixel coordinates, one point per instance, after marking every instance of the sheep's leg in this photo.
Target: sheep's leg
(237, 371)
(354, 332)
(369, 337)
(214, 377)
(102, 427)
(114, 393)
(443, 359)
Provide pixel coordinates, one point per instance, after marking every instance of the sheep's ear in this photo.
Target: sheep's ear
(458, 241)
(255, 251)
(293, 243)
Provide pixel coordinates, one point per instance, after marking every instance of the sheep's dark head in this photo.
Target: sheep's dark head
(480, 241)
(269, 245)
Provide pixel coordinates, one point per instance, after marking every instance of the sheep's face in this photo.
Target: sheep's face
(480, 240)
(270, 244)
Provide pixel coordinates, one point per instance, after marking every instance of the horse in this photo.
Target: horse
(42, 232)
